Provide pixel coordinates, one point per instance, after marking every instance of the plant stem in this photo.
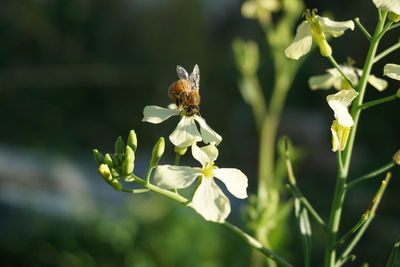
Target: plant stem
(177, 159)
(372, 174)
(340, 191)
(378, 101)
(387, 52)
(337, 66)
(362, 28)
(370, 214)
(257, 245)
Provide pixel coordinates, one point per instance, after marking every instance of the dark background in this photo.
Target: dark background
(75, 74)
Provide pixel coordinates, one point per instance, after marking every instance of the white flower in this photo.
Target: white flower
(339, 103)
(392, 71)
(186, 133)
(334, 79)
(388, 5)
(315, 28)
(208, 199)
(259, 9)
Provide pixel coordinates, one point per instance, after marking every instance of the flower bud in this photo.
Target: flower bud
(119, 145)
(129, 162)
(396, 157)
(105, 172)
(340, 135)
(393, 17)
(158, 151)
(108, 160)
(98, 156)
(180, 150)
(132, 140)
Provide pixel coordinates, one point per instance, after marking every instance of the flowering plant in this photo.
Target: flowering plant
(266, 210)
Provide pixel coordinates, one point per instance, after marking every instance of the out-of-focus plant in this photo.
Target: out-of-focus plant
(266, 212)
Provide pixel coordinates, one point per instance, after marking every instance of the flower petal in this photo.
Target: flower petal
(186, 133)
(204, 154)
(234, 179)
(379, 84)
(324, 81)
(171, 177)
(301, 43)
(340, 135)
(156, 114)
(334, 28)
(388, 5)
(339, 103)
(210, 202)
(392, 71)
(208, 135)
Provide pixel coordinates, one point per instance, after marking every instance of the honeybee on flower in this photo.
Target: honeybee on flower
(185, 94)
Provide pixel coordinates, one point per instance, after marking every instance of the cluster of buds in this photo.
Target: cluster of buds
(120, 164)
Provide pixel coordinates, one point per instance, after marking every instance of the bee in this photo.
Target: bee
(185, 91)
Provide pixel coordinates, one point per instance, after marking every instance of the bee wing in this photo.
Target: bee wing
(182, 73)
(194, 78)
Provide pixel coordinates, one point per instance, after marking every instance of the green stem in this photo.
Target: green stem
(394, 26)
(177, 159)
(372, 174)
(387, 52)
(337, 66)
(369, 214)
(135, 191)
(353, 230)
(246, 237)
(362, 28)
(257, 245)
(378, 101)
(340, 191)
(148, 175)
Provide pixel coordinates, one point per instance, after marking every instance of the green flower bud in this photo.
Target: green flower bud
(119, 145)
(180, 150)
(98, 156)
(132, 140)
(158, 151)
(108, 160)
(129, 162)
(393, 17)
(105, 172)
(396, 157)
(117, 161)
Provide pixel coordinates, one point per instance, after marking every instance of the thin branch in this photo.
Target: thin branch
(386, 52)
(337, 66)
(256, 244)
(372, 174)
(370, 214)
(362, 28)
(378, 101)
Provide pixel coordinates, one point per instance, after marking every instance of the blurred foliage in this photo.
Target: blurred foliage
(148, 231)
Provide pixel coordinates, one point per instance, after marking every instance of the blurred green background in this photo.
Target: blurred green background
(75, 74)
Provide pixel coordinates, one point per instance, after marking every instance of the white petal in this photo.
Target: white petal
(334, 28)
(379, 84)
(210, 202)
(301, 43)
(155, 114)
(204, 154)
(321, 81)
(186, 133)
(208, 135)
(171, 177)
(392, 71)
(339, 103)
(388, 5)
(234, 179)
